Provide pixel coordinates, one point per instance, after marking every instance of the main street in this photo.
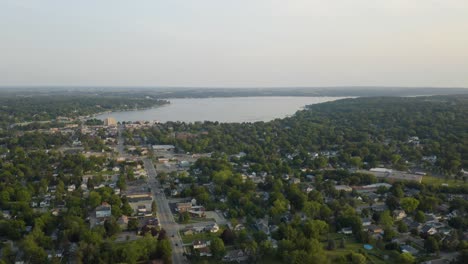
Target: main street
(163, 211)
(165, 215)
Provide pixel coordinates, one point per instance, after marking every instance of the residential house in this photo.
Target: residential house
(235, 256)
(213, 228)
(71, 188)
(262, 225)
(345, 188)
(204, 252)
(428, 230)
(399, 214)
(373, 229)
(366, 222)
(197, 244)
(104, 210)
(183, 207)
(346, 230)
(409, 249)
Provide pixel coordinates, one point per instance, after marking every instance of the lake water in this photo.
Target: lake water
(225, 109)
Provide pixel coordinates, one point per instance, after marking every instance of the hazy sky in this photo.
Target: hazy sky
(234, 42)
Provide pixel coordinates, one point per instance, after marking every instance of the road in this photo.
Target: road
(165, 215)
(164, 212)
(120, 141)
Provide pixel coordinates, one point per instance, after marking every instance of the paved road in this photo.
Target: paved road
(165, 215)
(164, 212)
(120, 141)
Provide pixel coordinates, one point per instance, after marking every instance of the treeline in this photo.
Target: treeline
(16, 109)
(360, 133)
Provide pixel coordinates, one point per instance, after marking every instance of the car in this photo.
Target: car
(177, 244)
(172, 235)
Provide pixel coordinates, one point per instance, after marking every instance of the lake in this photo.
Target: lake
(225, 109)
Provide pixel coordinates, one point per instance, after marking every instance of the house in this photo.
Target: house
(213, 228)
(345, 188)
(262, 225)
(371, 188)
(373, 229)
(152, 222)
(408, 249)
(183, 207)
(295, 180)
(6, 214)
(104, 210)
(346, 230)
(373, 197)
(399, 214)
(235, 255)
(205, 252)
(71, 188)
(428, 230)
(431, 218)
(239, 227)
(197, 244)
(366, 222)
(163, 147)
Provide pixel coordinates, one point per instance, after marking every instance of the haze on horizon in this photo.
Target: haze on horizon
(243, 43)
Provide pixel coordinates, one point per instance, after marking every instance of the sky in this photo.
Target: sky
(241, 43)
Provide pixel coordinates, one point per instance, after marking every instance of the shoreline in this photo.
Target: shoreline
(289, 101)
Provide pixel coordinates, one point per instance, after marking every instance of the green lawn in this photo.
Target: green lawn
(438, 181)
(375, 255)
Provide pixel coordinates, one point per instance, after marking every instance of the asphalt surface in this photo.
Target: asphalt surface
(164, 213)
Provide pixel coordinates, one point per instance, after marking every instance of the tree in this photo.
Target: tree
(409, 204)
(217, 248)
(111, 227)
(184, 217)
(402, 227)
(331, 244)
(126, 208)
(420, 217)
(397, 191)
(431, 245)
(386, 219)
(406, 258)
(357, 258)
(94, 199)
(132, 224)
(343, 243)
(462, 257)
(228, 236)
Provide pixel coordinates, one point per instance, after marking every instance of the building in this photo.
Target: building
(399, 214)
(104, 210)
(213, 228)
(235, 256)
(345, 188)
(110, 121)
(163, 147)
(197, 244)
(183, 207)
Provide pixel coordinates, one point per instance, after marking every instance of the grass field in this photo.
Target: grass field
(437, 181)
(375, 255)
